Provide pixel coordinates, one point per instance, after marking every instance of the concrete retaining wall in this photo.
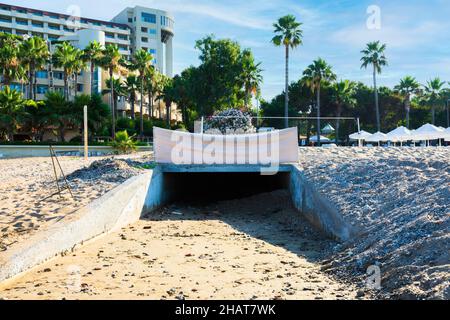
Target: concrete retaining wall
(116, 209)
(317, 208)
(18, 151)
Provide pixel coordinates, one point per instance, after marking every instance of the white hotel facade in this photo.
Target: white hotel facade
(132, 29)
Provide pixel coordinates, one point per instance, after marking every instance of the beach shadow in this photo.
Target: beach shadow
(269, 217)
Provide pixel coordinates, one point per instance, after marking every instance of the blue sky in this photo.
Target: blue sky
(417, 33)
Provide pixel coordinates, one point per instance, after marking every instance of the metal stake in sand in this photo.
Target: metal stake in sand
(85, 133)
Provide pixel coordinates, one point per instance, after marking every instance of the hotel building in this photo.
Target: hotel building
(131, 30)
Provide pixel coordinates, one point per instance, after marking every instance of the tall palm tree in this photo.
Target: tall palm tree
(10, 64)
(433, 91)
(92, 55)
(131, 86)
(168, 95)
(373, 55)
(34, 55)
(65, 56)
(407, 87)
(288, 34)
(251, 76)
(343, 94)
(314, 75)
(142, 61)
(149, 88)
(111, 60)
(79, 65)
(115, 89)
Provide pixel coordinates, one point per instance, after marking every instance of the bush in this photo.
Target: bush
(124, 143)
(230, 121)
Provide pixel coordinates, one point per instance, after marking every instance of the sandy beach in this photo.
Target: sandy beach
(252, 248)
(26, 182)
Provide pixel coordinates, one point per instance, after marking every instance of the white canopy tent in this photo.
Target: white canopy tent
(377, 137)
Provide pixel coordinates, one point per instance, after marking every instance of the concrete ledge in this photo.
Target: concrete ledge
(22, 151)
(317, 208)
(114, 210)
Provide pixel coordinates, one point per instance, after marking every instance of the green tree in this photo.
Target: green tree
(12, 110)
(168, 95)
(131, 86)
(374, 55)
(407, 87)
(92, 54)
(98, 111)
(142, 61)
(34, 55)
(288, 34)
(343, 95)
(314, 76)
(112, 60)
(433, 95)
(79, 65)
(150, 88)
(123, 143)
(65, 57)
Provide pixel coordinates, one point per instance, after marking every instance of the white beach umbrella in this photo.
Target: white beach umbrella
(362, 135)
(377, 137)
(399, 135)
(428, 132)
(322, 139)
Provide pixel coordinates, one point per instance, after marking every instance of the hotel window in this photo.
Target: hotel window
(80, 87)
(21, 11)
(152, 31)
(95, 23)
(5, 19)
(84, 21)
(38, 13)
(122, 37)
(123, 28)
(21, 32)
(53, 16)
(130, 20)
(58, 75)
(109, 35)
(42, 89)
(68, 29)
(54, 27)
(125, 48)
(42, 74)
(37, 24)
(144, 39)
(22, 22)
(152, 51)
(148, 17)
(145, 30)
(16, 86)
(5, 8)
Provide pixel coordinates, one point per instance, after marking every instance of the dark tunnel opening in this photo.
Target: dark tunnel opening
(208, 187)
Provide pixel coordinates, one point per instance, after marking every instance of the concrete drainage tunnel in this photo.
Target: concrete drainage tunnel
(204, 185)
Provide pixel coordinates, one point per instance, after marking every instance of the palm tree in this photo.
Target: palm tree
(111, 60)
(373, 55)
(168, 95)
(407, 87)
(62, 115)
(142, 61)
(343, 94)
(433, 91)
(34, 55)
(12, 110)
(114, 88)
(65, 57)
(289, 35)
(92, 55)
(10, 66)
(251, 76)
(131, 86)
(149, 87)
(79, 65)
(314, 75)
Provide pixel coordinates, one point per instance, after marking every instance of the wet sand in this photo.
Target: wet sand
(253, 248)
